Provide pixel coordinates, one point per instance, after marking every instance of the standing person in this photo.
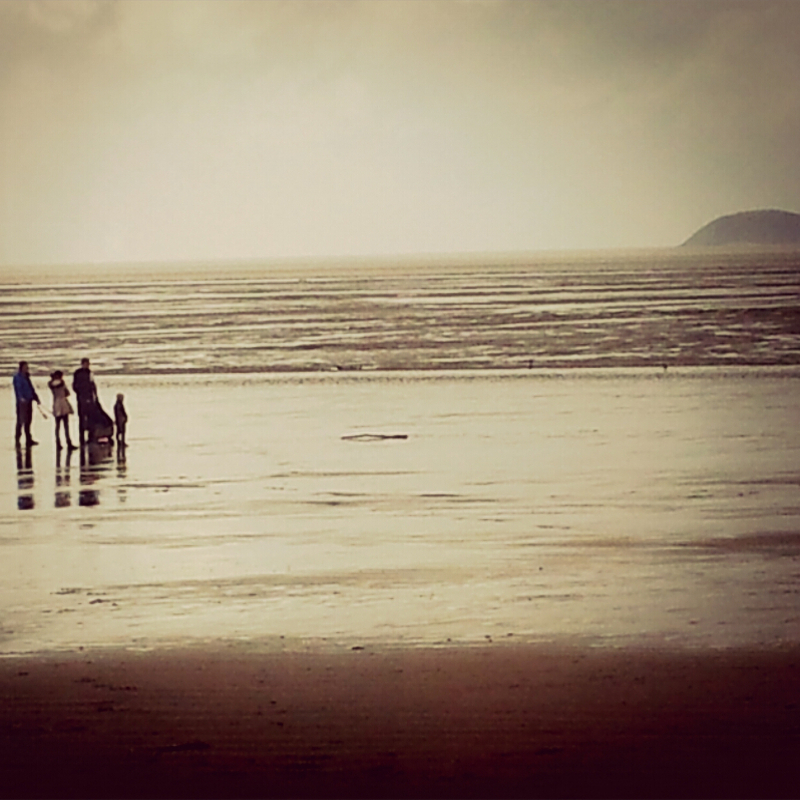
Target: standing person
(86, 392)
(61, 407)
(120, 418)
(26, 397)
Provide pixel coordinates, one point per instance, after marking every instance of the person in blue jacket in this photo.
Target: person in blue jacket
(26, 397)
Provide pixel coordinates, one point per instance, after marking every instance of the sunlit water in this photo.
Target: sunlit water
(668, 307)
(618, 504)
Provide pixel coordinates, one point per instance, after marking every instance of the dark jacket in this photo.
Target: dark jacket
(83, 385)
(120, 415)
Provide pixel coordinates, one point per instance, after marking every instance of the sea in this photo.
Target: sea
(428, 451)
(671, 307)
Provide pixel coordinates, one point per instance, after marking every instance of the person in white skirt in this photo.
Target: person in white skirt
(62, 408)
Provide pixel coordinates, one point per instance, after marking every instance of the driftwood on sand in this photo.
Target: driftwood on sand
(374, 437)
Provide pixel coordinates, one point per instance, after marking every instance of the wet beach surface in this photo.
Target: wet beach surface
(330, 563)
(482, 721)
(618, 505)
(578, 584)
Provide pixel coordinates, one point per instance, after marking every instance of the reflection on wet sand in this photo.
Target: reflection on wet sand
(89, 497)
(95, 462)
(63, 497)
(122, 469)
(25, 501)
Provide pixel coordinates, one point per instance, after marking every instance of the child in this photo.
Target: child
(120, 418)
(62, 408)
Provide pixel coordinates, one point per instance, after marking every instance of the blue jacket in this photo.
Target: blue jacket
(23, 388)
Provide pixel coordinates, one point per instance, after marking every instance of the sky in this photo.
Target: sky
(201, 130)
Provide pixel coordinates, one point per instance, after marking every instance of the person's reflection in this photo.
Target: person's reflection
(25, 479)
(122, 469)
(63, 497)
(95, 458)
(89, 497)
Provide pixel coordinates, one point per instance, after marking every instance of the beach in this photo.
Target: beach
(466, 530)
(555, 583)
(456, 351)
(485, 721)
(619, 505)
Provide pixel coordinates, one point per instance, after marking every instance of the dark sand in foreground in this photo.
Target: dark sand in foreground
(497, 720)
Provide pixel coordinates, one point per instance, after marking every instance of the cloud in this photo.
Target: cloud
(49, 31)
(64, 16)
(184, 129)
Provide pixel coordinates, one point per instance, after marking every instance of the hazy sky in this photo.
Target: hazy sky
(198, 130)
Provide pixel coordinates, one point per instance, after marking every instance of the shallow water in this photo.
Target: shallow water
(674, 307)
(619, 505)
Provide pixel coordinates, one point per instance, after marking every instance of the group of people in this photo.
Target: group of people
(88, 406)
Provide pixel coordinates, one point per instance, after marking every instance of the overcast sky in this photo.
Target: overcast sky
(189, 130)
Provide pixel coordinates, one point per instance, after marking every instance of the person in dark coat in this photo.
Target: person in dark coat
(86, 393)
(26, 397)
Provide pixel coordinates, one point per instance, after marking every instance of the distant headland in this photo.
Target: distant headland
(767, 227)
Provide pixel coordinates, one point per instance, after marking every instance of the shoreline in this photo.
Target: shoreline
(494, 720)
(653, 367)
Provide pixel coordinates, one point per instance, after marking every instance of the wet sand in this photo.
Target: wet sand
(568, 584)
(497, 720)
(625, 505)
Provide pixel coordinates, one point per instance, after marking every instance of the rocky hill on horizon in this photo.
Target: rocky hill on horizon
(766, 227)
